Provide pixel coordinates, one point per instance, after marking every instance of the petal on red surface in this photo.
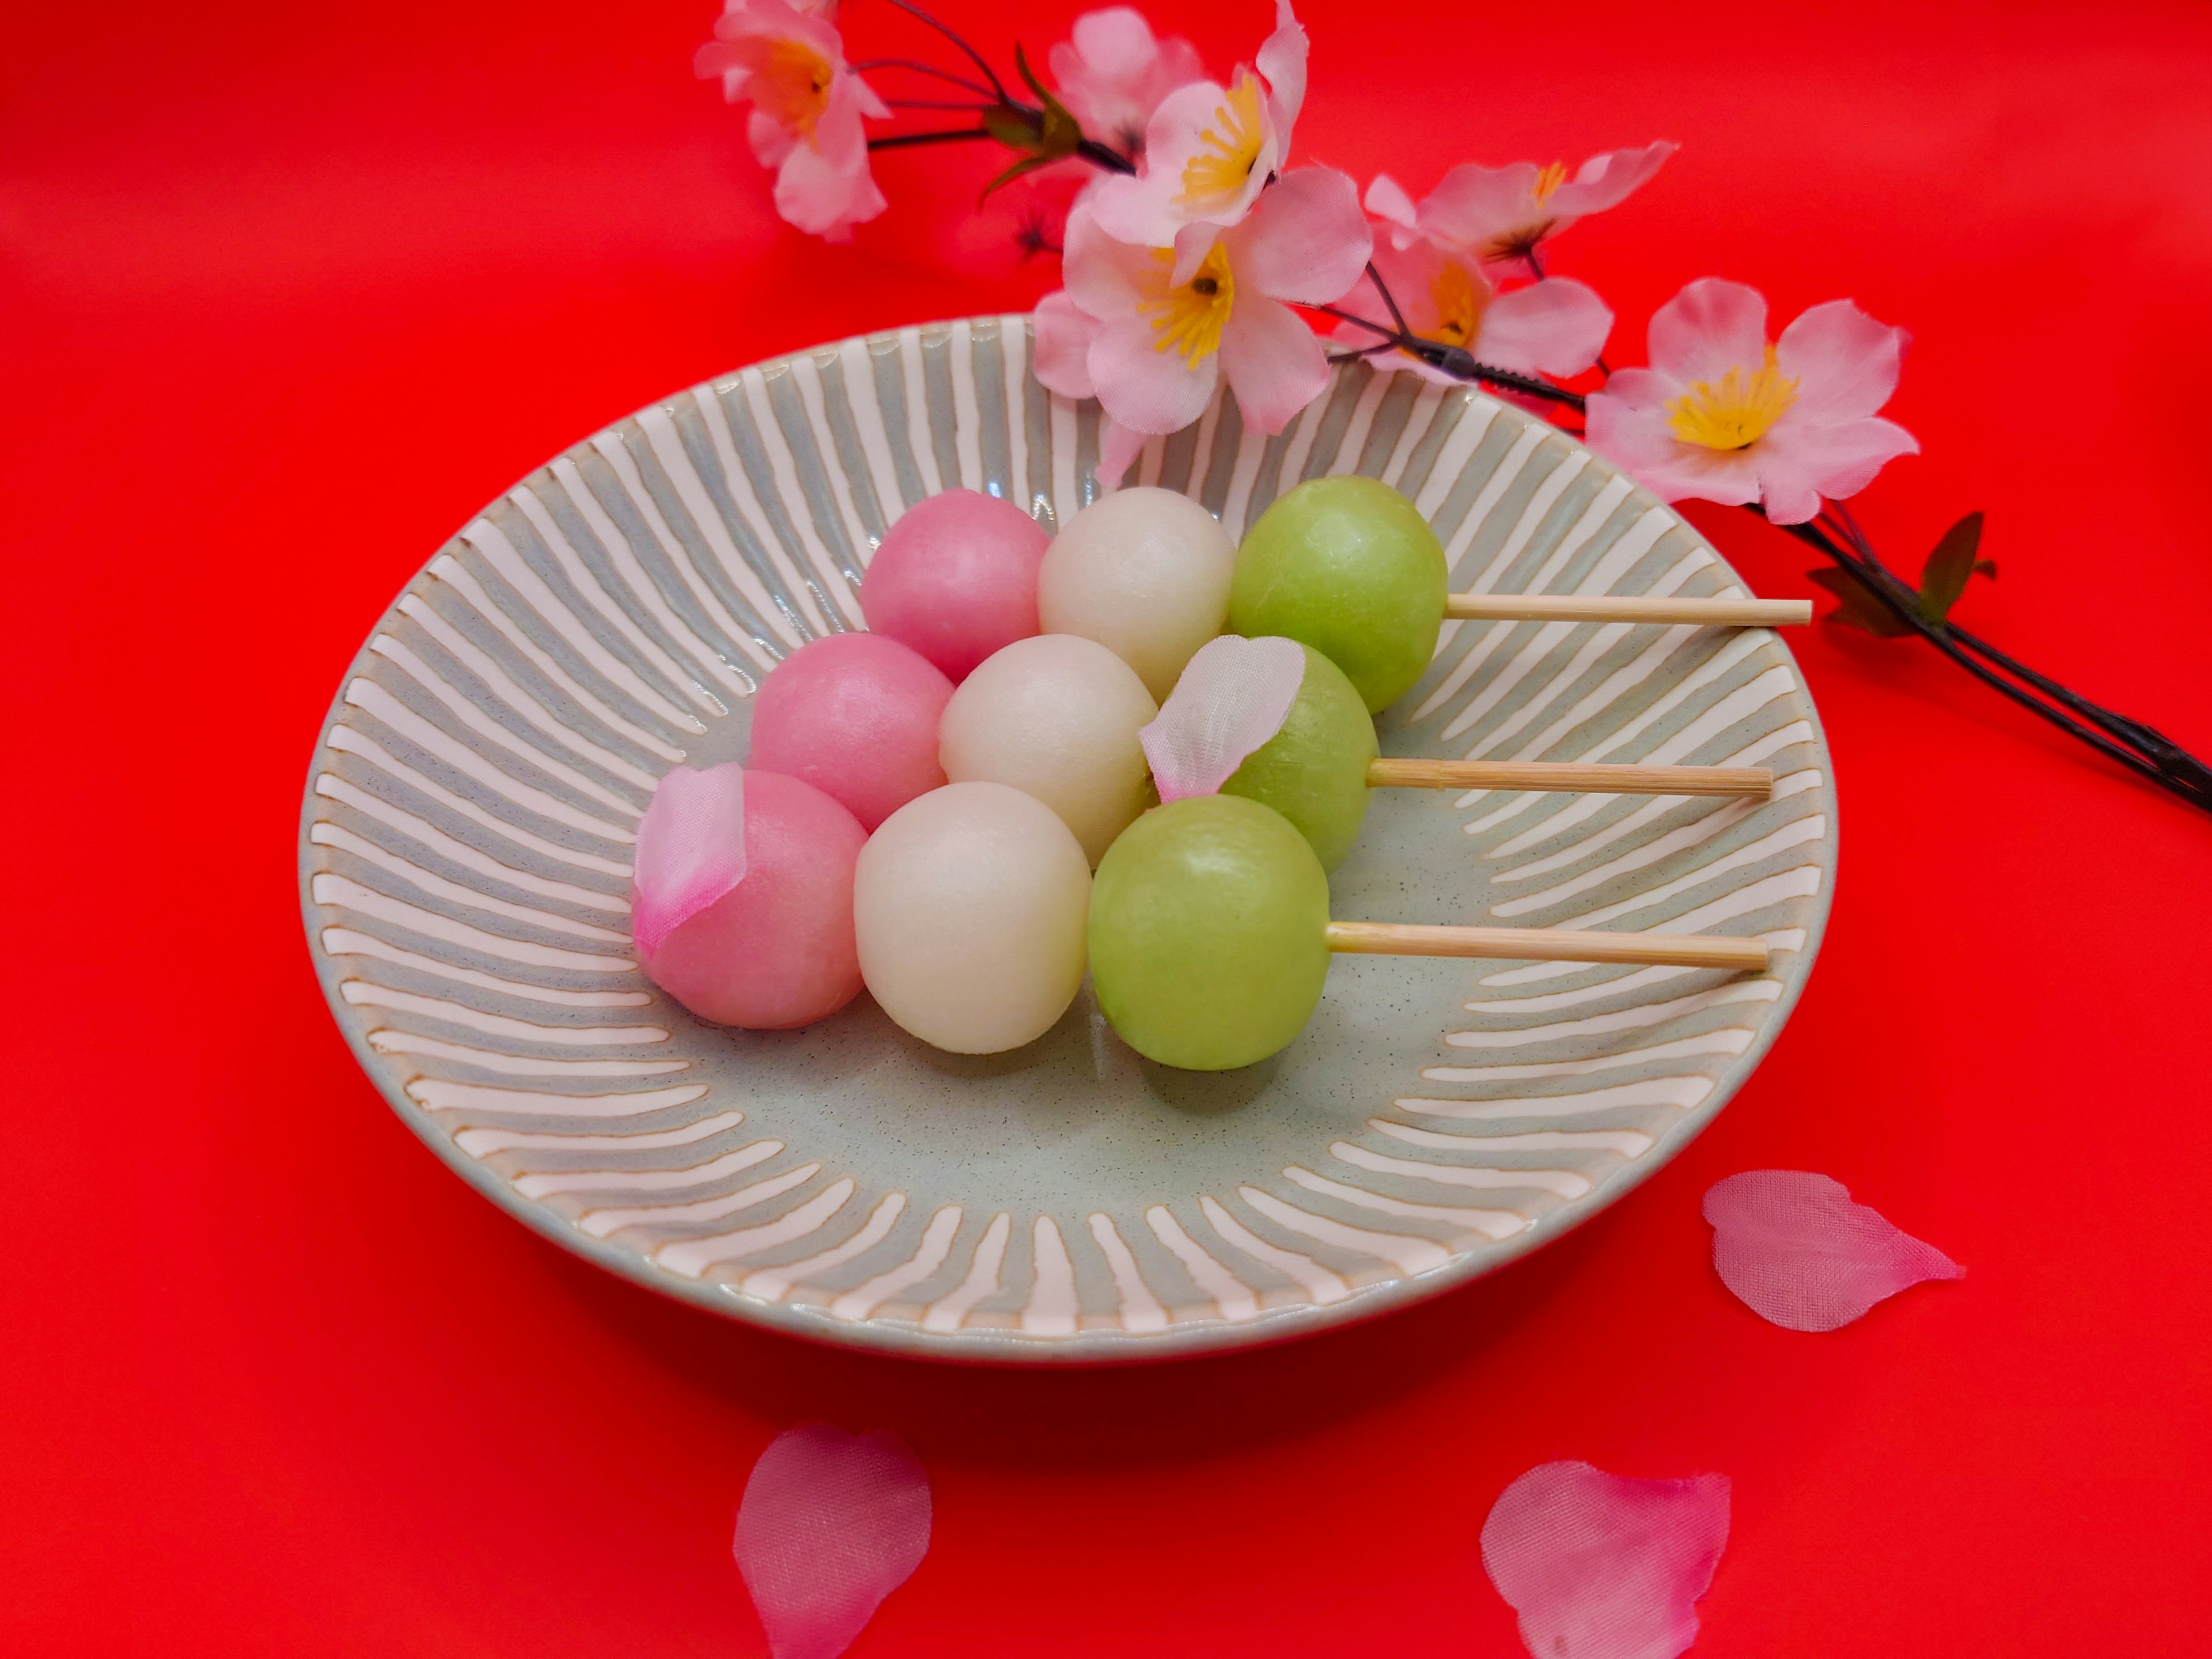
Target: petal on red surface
(831, 1524)
(1602, 1566)
(1799, 1253)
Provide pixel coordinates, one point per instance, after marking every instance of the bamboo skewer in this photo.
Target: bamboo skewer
(1756, 781)
(1603, 608)
(1390, 938)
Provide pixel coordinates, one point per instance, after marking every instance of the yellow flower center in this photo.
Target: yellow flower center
(1460, 297)
(1190, 318)
(1231, 146)
(791, 86)
(1549, 180)
(1737, 412)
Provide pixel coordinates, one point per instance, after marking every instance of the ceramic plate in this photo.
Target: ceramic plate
(466, 835)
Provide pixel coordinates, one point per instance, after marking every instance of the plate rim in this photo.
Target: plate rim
(1094, 1347)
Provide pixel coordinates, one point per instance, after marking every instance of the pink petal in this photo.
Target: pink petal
(1801, 1255)
(1063, 346)
(1145, 209)
(1387, 201)
(1151, 390)
(1119, 446)
(1282, 59)
(1115, 45)
(1556, 326)
(824, 187)
(1114, 74)
(1709, 328)
(1105, 275)
(1275, 363)
(1306, 241)
(1606, 180)
(1846, 363)
(1234, 694)
(1627, 425)
(691, 850)
(1472, 206)
(831, 1524)
(1836, 460)
(1600, 1566)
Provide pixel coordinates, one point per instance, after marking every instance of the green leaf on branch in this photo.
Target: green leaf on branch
(1857, 607)
(1043, 135)
(1951, 565)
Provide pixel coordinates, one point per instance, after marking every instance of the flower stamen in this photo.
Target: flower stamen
(791, 85)
(1735, 414)
(1549, 180)
(1189, 318)
(1460, 298)
(1221, 168)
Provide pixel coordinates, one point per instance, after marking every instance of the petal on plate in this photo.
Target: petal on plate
(1801, 1255)
(1710, 327)
(1063, 346)
(1600, 1566)
(1233, 695)
(1556, 326)
(1846, 363)
(1306, 241)
(831, 1524)
(1273, 363)
(691, 850)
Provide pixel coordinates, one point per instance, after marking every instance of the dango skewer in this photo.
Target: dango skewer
(1210, 936)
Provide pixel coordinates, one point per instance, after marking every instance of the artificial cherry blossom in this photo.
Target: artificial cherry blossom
(1211, 150)
(1501, 213)
(1724, 416)
(1151, 331)
(691, 850)
(1556, 326)
(1799, 1253)
(789, 64)
(1114, 74)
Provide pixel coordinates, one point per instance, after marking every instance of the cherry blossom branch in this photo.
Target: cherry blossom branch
(920, 67)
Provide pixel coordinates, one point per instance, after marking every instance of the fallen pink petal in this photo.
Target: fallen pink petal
(691, 850)
(831, 1524)
(1602, 1566)
(1233, 697)
(1799, 1253)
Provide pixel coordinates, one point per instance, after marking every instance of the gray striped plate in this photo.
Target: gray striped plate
(464, 846)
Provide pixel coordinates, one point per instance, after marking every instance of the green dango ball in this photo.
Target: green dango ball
(1314, 770)
(1208, 932)
(1349, 567)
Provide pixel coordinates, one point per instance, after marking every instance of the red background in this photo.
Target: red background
(290, 290)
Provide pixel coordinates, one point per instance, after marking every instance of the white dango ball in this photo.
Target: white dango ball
(969, 905)
(1146, 573)
(1056, 716)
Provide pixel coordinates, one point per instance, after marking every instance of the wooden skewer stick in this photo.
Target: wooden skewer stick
(1391, 939)
(1756, 781)
(1603, 608)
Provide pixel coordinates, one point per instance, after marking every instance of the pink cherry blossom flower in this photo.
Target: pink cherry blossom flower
(1211, 150)
(1151, 331)
(1722, 415)
(1500, 214)
(1114, 74)
(806, 123)
(1556, 326)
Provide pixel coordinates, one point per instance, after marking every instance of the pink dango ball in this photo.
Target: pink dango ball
(777, 950)
(856, 716)
(957, 578)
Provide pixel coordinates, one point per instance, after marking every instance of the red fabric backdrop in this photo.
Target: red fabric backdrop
(290, 290)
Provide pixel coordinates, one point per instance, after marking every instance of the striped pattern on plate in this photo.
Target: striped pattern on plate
(466, 835)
